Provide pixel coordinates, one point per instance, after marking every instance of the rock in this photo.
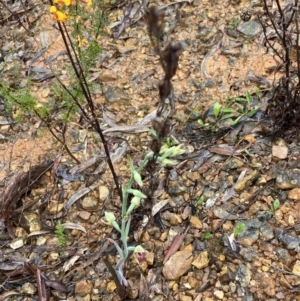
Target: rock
(279, 152)
(82, 288)
(54, 207)
(283, 256)
(296, 268)
(150, 258)
(116, 94)
(201, 261)
(249, 253)
(20, 232)
(53, 256)
(111, 286)
(246, 181)
(177, 265)
(41, 240)
(107, 75)
(232, 286)
(185, 298)
(210, 83)
(85, 215)
(28, 288)
(290, 241)
(243, 275)
(232, 163)
(89, 203)
(288, 178)
(294, 194)
(291, 221)
(267, 232)
(250, 29)
(205, 33)
(219, 294)
(103, 192)
(196, 222)
(251, 231)
(17, 243)
(173, 218)
(30, 221)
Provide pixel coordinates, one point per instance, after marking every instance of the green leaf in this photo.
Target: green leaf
(256, 89)
(237, 99)
(153, 132)
(217, 108)
(227, 116)
(238, 229)
(276, 204)
(248, 97)
(252, 111)
(234, 122)
(207, 235)
(227, 110)
(200, 200)
(249, 153)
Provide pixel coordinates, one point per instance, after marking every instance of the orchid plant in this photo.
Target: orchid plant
(166, 157)
(162, 154)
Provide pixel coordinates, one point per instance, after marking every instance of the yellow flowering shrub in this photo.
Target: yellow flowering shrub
(58, 15)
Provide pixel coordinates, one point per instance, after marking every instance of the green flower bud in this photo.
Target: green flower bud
(137, 193)
(136, 201)
(166, 161)
(139, 249)
(137, 177)
(110, 217)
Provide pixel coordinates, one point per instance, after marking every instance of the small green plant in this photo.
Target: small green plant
(17, 98)
(170, 142)
(60, 232)
(207, 235)
(244, 107)
(200, 200)
(274, 206)
(234, 23)
(238, 229)
(232, 112)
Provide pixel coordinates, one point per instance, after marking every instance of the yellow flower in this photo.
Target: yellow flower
(64, 2)
(58, 15)
(82, 42)
(53, 9)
